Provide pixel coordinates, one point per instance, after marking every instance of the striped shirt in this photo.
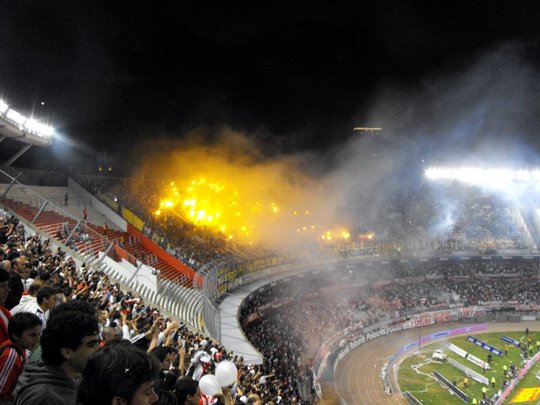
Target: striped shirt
(11, 367)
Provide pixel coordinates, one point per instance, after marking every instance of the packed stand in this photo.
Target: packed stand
(56, 317)
(285, 321)
(42, 280)
(195, 246)
(445, 211)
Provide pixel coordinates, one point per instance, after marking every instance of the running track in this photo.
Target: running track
(357, 378)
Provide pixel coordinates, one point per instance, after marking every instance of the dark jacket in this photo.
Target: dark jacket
(17, 288)
(44, 384)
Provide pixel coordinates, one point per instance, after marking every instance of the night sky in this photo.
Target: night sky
(297, 75)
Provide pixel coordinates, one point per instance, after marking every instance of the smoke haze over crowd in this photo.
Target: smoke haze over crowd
(483, 115)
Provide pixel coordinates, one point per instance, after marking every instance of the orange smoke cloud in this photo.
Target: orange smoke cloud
(230, 187)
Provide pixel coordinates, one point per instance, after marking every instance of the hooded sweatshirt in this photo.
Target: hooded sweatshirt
(45, 384)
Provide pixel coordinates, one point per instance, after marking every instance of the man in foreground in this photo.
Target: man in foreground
(70, 338)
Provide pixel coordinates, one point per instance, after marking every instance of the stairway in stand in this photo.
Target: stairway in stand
(52, 223)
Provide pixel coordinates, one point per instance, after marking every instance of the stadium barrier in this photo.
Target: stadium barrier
(172, 261)
(133, 219)
(473, 359)
(327, 355)
(514, 317)
(431, 247)
(392, 326)
(443, 380)
(458, 350)
(411, 399)
(485, 346)
(514, 342)
(103, 208)
(219, 280)
(471, 373)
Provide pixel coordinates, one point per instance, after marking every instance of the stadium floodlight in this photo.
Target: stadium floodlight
(16, 117)
(38, 128)
(26, 129)
(3, 106)
(473, 175)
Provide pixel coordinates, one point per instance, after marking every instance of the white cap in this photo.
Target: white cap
(243, 399)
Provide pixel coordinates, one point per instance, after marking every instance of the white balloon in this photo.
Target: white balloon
(209, 385)
(226, 373)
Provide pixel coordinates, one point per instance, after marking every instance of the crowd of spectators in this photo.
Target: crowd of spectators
(79, 311)
(194, 245)
(287, 328)
(445, 211)
(427, 212)
(285, 321)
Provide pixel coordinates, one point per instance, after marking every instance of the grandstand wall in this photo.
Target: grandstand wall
(169, 259)
(112, 216)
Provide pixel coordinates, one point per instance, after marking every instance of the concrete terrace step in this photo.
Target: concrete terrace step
(178, 298)
(35, 195)
(51, 221)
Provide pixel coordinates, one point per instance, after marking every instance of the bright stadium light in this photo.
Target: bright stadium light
(480, 176)
(32, 125)
(38, 128)
(15, 125)
(3, 106)
(16, 117)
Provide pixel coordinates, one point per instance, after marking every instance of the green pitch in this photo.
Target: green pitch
(415, 371)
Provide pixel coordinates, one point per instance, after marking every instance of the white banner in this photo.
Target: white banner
(473, 374)
(480, 363)
(460, 352)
